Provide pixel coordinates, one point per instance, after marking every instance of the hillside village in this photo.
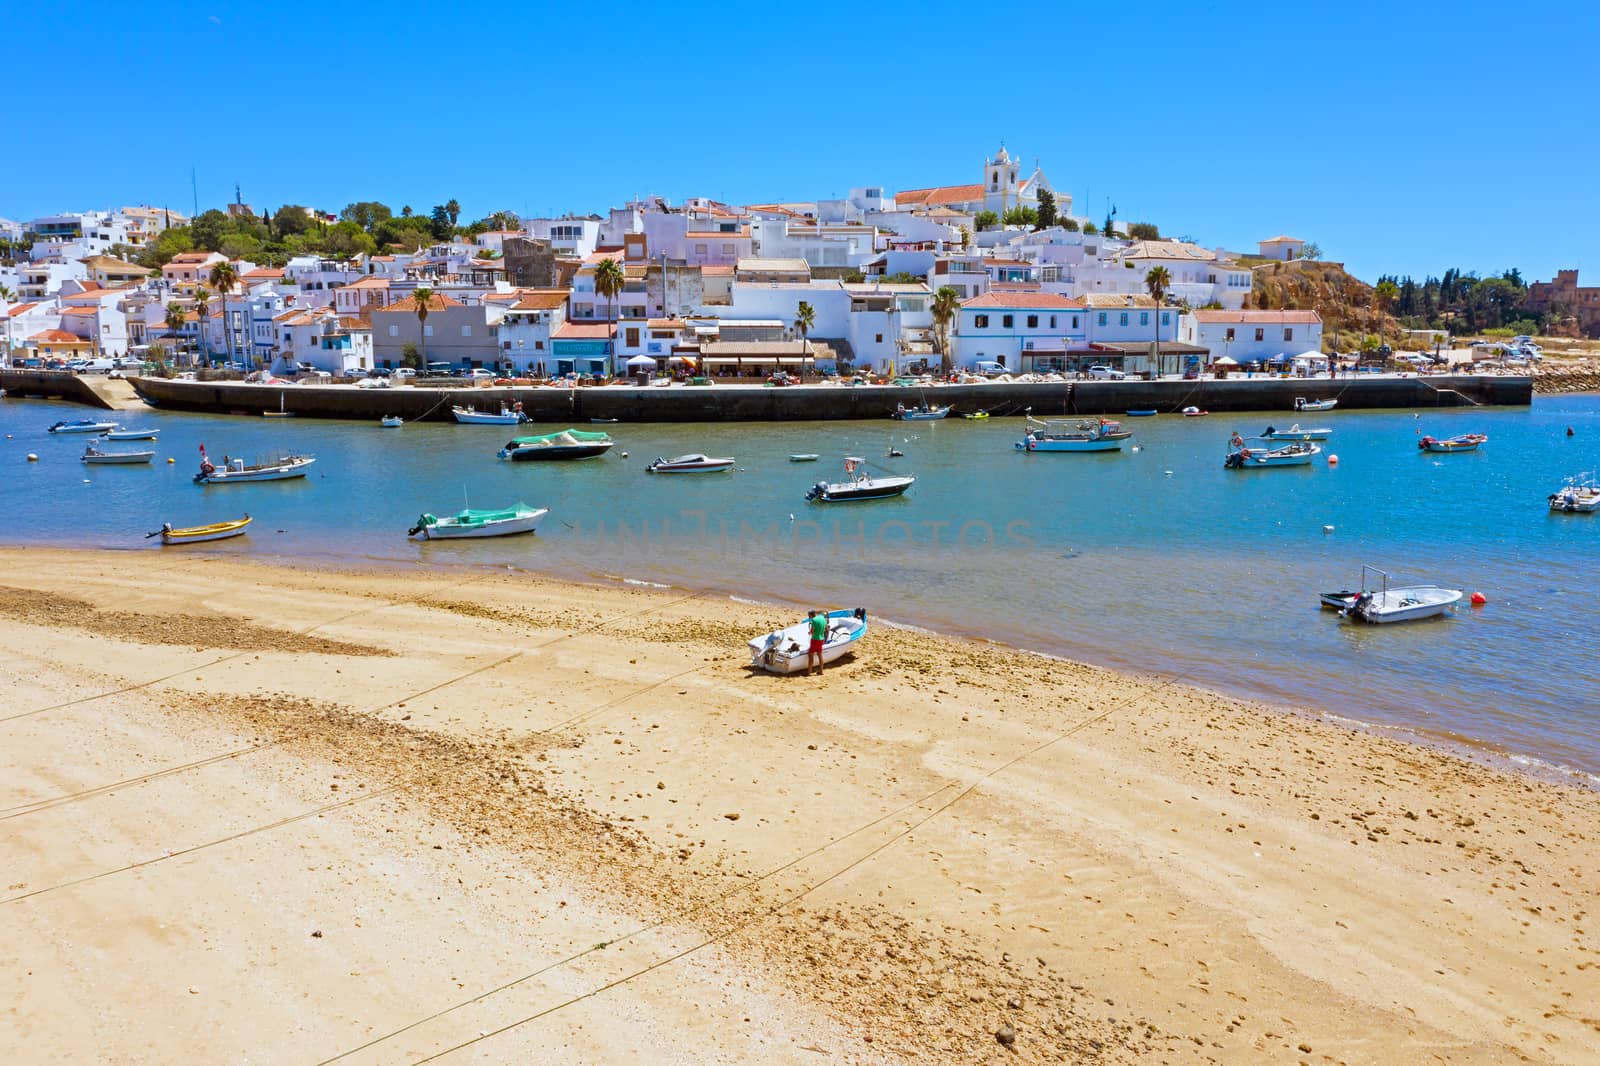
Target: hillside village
(998, 275)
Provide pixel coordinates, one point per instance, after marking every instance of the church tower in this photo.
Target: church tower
(1000, 183)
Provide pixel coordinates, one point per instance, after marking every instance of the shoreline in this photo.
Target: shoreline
(1144, 869)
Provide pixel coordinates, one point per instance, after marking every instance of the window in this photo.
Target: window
(1164, 318)
(427, 330)
(1100, 319)
(633, 337)
(1006, 321)
(538, 346)
(1122, 319)
(1144, 318)
(727, 249)
(1229, 335)
(466, 331)
(879, 337)
(1052, 321)
(980, 321)
(699, 249)
(1033, 321)
(1261, 334)
(1288, 334)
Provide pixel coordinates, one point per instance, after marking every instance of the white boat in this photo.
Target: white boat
(804, 457)
(469, 523)
(920, 413)
(1303, 404)
(784, 651)
(1405, 604)
(1087, 435)
(281, 468)
(82, 425)
(1464, 442)
(391, 421)
(132, 434)
(95, 456)
(563, 444)
(1298, 453)
(1194, 412)
(508, 416)
(1294, 432)
(690, 464)
(196, 534)
(859, 486)
(1580, 495)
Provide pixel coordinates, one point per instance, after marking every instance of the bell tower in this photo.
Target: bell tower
(1000, 182)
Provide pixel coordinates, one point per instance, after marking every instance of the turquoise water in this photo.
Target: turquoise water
(1157, 560)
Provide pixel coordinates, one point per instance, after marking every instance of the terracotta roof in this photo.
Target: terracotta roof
(1008, 262)
(572, 331)
(941, 194)
(667, 323)
(21, 309)
(436, 302)
(94, 310)
(1257, 317)
(55, 335)
(112, 264)
(375, 282)
(1030, 301)
(1118, 299)
(1167, 250)
(541, 300)
(191, 258)
(716, 270)
(1281, 239)
(261, 272)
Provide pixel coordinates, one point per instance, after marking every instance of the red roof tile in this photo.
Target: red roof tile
(942, 194)
(1027, 301)
(572, 331)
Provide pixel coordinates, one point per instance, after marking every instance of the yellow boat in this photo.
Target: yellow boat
(196, 534)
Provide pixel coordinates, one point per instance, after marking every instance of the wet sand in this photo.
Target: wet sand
(292, 815)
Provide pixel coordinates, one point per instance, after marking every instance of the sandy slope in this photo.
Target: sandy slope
(564, 823)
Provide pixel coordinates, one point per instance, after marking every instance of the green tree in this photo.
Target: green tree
(347, 238)
(454, 210)
(366, 213)
(202, 306)
(240, 246)
(1158, 280)
(439, 219)
(1020, 215)
(409, 356)
(946, 304)
(1090, 228)
(1047, 209)
(408, 231)
(805, 316)
(7, 294)
(292, 219)
(609, 279)
(168, 243)
(1313, 251)
(985, 220)
(209, 227)
(422, 294)
(405, 212)
(1144, 231)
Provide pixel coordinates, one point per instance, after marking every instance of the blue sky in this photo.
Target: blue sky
(1403, 138)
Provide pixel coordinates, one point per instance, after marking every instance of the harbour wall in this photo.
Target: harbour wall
(743, 403)
(53, 385)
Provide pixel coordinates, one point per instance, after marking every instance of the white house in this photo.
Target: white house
(1125, 327)
(320, 339)
(1253, 336)
(1284, 248)
(529, 325)
(1022, 331)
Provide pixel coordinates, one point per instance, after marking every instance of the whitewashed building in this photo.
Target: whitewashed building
(1253, 336)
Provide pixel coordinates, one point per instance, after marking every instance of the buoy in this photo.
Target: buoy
(1569, 432)
(1327, 529)
(624, 455)
(32, 458)
(1168, 473)
(1135, 447)
(1479, 599)
(170, 460)
(1333, 460)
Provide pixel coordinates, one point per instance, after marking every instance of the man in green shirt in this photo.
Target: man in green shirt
(818, 620)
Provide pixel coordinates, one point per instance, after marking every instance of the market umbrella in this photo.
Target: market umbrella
(641, 362)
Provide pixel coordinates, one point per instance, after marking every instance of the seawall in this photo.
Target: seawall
(55, 385)
(746, 403)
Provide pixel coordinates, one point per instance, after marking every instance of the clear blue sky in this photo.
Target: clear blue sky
(1401, 137)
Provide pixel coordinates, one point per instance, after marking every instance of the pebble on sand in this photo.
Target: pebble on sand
(1006, 1035)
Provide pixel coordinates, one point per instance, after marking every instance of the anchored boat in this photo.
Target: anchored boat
(82, 425)
(691, 464)
(195, 534)
(132, 434)
(281, 468)
(470, 523)
(1303, 404)
(1294, 432)
(920, 413)
(784, 651)
(1464, 442)
(1299, 453)
(1405, 604)
(508, 416)
(391, 421)
(95, 457)
(566, 444)
(859, 486)
(1088, 435)
(1580, 495)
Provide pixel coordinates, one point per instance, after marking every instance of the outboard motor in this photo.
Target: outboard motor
(861, 614)
(817, 490)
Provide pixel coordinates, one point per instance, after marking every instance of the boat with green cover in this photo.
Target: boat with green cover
(565, 444)
(470, 523)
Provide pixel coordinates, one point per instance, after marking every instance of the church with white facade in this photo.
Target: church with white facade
(1001, 189)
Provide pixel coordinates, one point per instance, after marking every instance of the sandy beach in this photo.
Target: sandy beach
(297, 815)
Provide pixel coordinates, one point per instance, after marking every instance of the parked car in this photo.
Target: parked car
(989, 369)
(379, 372)
(1106, 373)
(405, 372)
(478, 373)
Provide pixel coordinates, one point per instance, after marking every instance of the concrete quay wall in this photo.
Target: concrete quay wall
(741, 403)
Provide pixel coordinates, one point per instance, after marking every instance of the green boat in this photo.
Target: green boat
(470, 523)
(566, 444)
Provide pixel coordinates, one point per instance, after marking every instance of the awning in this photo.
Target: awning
(757, 360)
(642, 361)
(1227, 361)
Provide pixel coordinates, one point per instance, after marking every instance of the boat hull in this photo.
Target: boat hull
(283, 472)
(1408, 604)
(133, 434)
(554, 453)
(119, 458)
(1253, 459)
(691, 465)
(1099, 444)
(784, 651)
(1302, 404)
(197, 534)
(475, 418)
(864, 489)
(453, 529)
(1465, 443)
(1575, 501)
(82, 427)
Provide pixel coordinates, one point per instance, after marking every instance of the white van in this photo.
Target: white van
(99, 366)
(989, 369)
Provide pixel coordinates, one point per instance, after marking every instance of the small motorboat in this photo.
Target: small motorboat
(1298, 453)
(977, 415)
(1342, 600)
(469, 523)
(1580, 495)
(280, 468)
(391, 421)
(95, 456)
(508, 416)
(82, 425)
(1194, 412)
(894, 453)
(1294, 432)
(1405, 604)
(604, 421)
(565, 444)
(1464, 442)
(858, 486)
(132, 434)
(1088, 435)
(804, 457)
(690, 464)
(196, 534)
(920, 413)
(1143, 412)
(784, 651)
(1303, 404)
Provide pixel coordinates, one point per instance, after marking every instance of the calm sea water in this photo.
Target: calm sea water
(1151, 560)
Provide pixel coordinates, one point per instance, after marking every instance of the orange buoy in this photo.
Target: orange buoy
(1333, 460)
(1479, 599)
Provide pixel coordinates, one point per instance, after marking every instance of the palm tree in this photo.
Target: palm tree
(223, 279)
(6, 296)
(175, 323)
(608, 282)
(453, 209)
(1382, 297)
(422, 295)
(946, 302)
(202, 303)
(1157, 281)
(805, 316)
